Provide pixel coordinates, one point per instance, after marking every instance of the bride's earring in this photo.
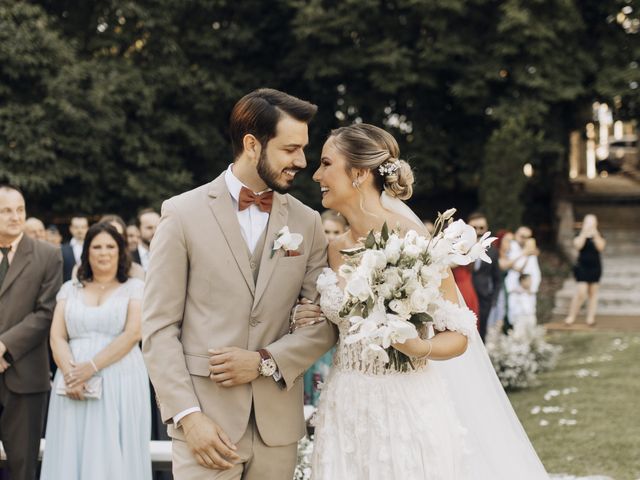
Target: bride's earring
(356, 183)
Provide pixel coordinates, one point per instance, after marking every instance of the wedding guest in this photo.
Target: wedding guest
(53, 236)
(522, 305)
(116, 221)
(148, 220)
(463, 277)
(72, 251)
(487, 277)
(499, 310)
(34, 228)
(523, 258)
(334, 225)
(99, 422)
(587, 270)
(133, 237)
(30, 276)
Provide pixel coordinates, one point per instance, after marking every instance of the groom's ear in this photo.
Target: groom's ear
(252, 147)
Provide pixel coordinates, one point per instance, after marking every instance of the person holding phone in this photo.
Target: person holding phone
(587, 270)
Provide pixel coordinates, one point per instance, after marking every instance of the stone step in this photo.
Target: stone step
(623, 283)
(603, 310)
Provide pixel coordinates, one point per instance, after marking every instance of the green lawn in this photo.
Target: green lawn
(597, 382)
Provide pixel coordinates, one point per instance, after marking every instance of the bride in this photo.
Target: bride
(448, 418)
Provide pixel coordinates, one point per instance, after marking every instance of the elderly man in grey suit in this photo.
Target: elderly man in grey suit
(228, 263)
(30, 277)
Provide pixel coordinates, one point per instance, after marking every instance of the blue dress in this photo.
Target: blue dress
(106, 438)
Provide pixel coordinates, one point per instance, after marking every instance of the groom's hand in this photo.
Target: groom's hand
(209, 443)
(231, 366)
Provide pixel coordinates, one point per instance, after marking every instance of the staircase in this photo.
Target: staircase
(620, 283)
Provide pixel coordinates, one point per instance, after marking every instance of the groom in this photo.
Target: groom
(218, 294)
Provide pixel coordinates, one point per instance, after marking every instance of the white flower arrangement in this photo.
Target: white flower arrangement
(393, 286)
(520, 355)
(303, 466)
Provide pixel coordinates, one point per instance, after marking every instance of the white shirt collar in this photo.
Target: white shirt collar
(14, 245)
(234, 185)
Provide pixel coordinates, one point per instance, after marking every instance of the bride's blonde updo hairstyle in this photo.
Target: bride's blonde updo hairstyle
(369, 147)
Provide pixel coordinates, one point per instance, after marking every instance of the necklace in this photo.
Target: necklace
(103, 285)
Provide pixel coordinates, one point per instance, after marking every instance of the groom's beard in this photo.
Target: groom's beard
(271, 176)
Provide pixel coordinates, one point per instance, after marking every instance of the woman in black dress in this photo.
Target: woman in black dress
(587, 270)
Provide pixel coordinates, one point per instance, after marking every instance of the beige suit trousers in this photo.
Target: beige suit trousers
(257, 460)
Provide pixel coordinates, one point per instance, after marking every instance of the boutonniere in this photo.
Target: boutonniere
(287, 241)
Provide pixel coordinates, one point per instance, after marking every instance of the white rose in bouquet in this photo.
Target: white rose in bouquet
(373, 260)
(392, 278)
(385, 291)
(401, 307)
(433, 273)
(412, 251)
(410, 238)
(421, 298)
(393, 248)
(359, 287)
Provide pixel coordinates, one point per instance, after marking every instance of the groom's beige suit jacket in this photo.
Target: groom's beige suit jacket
(200, 294)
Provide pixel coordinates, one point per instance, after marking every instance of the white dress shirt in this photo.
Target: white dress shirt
(253, 222)
(144, 256)
(13, 247)
(77, 249)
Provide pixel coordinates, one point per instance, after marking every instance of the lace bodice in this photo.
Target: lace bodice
(349, 356)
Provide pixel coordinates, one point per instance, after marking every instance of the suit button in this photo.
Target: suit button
(253, 321)
(253, 265)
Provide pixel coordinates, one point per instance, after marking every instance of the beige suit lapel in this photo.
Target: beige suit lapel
(222, 207)
(268, 262)
(21, 259)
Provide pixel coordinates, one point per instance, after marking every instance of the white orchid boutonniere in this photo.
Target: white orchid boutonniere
(287, 241)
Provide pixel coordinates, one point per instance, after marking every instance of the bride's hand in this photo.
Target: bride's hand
(305, 313)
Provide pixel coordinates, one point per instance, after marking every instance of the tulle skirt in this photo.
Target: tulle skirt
(400, 426)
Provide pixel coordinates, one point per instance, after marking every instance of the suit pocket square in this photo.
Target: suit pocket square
(292, 253)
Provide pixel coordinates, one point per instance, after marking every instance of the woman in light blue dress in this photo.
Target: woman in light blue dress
(95, 335)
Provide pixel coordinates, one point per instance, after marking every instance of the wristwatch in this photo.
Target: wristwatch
(267, 365)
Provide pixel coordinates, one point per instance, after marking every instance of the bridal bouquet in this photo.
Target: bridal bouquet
(393, 286)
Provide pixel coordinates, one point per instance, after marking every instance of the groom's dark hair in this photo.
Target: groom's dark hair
(258, 113)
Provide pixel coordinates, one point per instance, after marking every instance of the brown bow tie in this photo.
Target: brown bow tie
(263, 201)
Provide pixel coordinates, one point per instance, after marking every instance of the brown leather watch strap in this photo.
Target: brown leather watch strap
(264, 354)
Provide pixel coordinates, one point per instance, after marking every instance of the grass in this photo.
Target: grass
(605, 439)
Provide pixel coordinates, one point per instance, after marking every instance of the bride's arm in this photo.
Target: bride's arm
(445, 344)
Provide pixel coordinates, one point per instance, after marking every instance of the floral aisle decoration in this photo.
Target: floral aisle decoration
(520, 355)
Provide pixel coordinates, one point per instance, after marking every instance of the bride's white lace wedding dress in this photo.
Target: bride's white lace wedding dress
(430, 423)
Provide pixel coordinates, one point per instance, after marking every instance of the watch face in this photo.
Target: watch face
(267, 367)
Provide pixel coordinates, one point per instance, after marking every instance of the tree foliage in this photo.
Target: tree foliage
(112, 105)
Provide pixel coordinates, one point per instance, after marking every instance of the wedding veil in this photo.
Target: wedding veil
(496, 444)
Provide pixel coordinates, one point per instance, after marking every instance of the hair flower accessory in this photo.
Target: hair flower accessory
(389, 168)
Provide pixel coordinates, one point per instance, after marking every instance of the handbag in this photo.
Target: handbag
(93, 387)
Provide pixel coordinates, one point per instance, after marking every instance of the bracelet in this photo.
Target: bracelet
(93, 364)
(430, 348)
